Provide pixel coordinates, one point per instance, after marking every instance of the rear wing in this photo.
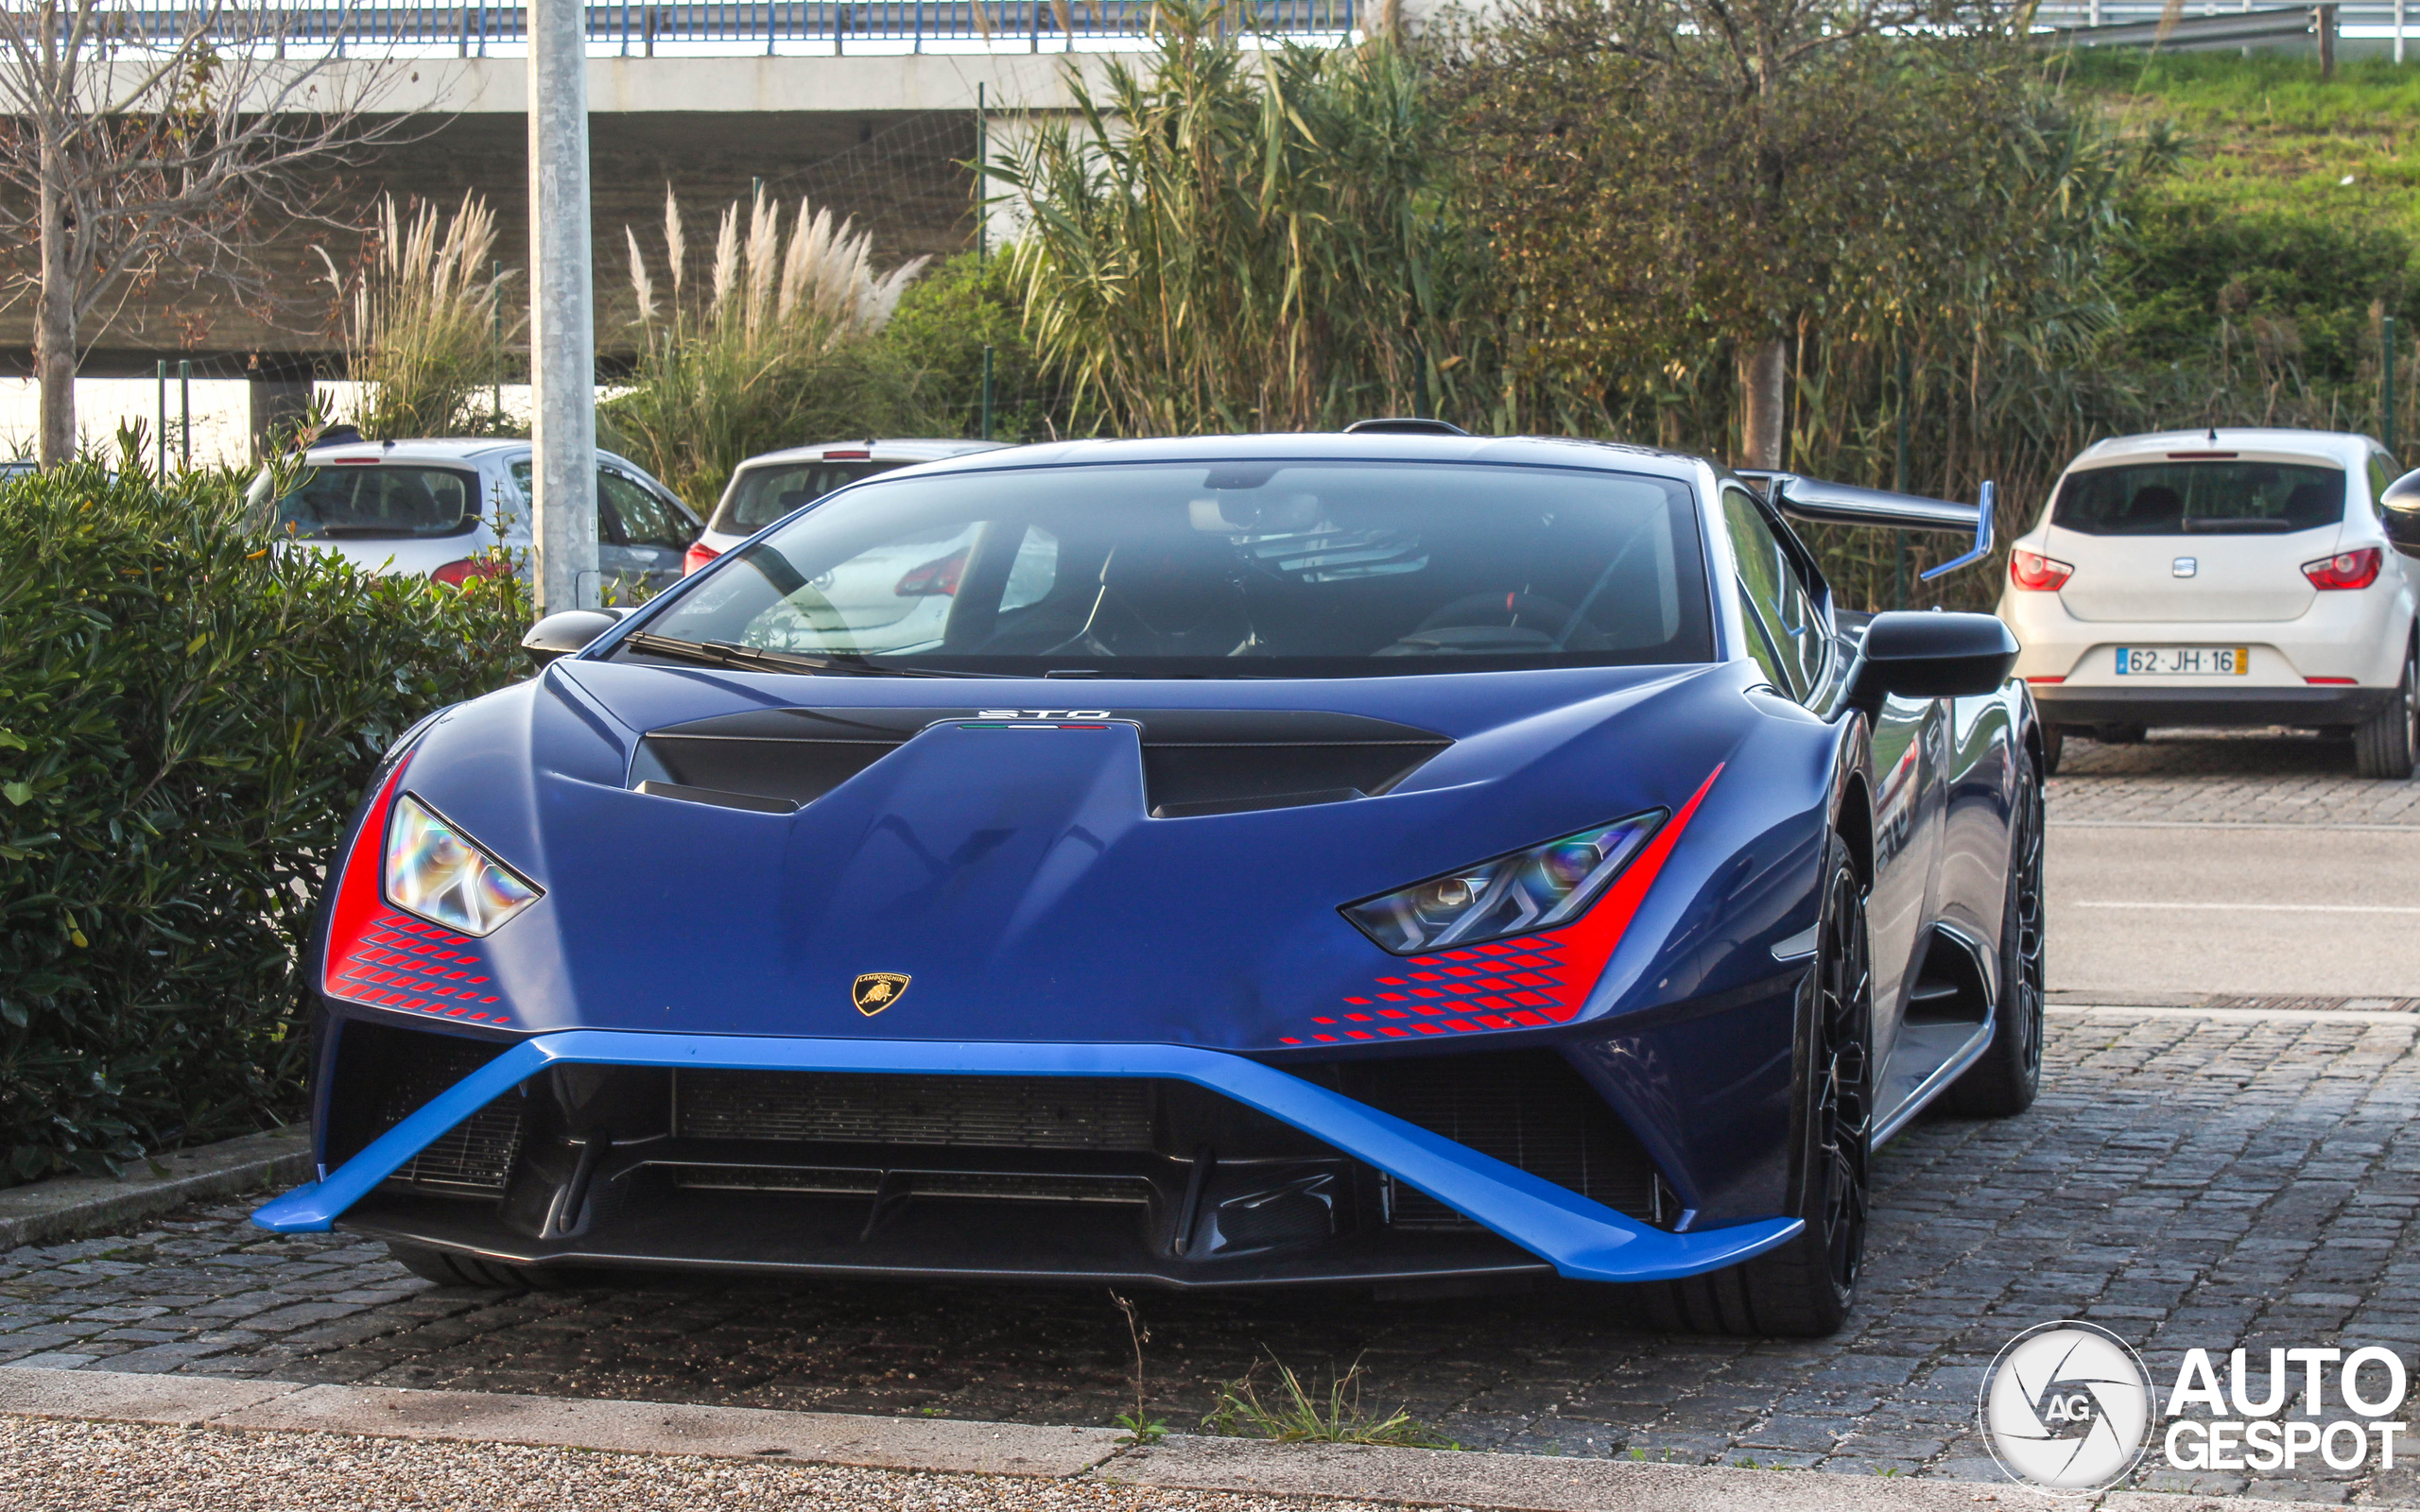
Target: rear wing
(1843, 503)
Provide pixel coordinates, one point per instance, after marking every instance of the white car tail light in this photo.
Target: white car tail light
(2038, 574)
(2347, 569)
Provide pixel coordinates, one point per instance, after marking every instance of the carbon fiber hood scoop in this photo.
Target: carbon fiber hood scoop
(1196, 761)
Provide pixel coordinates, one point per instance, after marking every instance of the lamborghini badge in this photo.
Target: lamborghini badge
(877, 991)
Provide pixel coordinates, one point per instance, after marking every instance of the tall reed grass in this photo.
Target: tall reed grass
(425, 328)
(758, 341)
(1233, 239)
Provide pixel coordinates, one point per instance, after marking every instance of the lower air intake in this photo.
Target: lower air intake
(384, 1075)
(986, 1112)
(1525, 1107)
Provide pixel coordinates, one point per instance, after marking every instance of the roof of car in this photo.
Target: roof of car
(2342, 445)
(881, 449)
(431, 448)
(1537, 451)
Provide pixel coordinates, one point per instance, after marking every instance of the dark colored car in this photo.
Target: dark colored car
(1385, 858)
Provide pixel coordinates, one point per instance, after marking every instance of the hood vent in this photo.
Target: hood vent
(1196, 761)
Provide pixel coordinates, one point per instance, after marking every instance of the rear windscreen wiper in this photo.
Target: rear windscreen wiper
(2240, 525)
(750, 658)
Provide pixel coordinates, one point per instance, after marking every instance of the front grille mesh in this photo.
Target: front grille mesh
(988, 1112)
(473, 1155)
(411, 1068)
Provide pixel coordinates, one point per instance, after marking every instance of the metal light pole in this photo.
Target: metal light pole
(562, 333)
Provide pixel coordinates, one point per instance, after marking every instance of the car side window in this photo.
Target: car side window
(1774, 600)
(2381, 475)
(628, 514)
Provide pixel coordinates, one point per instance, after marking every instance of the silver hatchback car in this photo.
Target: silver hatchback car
(432, 508)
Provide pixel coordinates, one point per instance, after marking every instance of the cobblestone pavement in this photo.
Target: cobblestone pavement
(2186, 1181)
(2225, 776)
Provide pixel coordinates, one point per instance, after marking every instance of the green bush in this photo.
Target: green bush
(2283, 289)
(186, 718)
(946, 319)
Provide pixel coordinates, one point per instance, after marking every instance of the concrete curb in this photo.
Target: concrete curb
(1498, 1483)
(66, 1207)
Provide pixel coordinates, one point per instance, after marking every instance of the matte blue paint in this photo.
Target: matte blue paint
(1036, 904)
(1582, 1239)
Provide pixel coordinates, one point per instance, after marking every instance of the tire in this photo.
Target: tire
(2006, 1080)
(1804, 1288)
(447, 1268)
(2383, 745)
(2120, 735)
(2054, 742)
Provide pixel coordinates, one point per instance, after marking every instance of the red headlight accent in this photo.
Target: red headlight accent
(698, 555)
(362, 887)
(2038, 574)
(462, 569)
(2347, 569)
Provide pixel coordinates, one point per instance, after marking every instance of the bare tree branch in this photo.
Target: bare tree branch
(129, 159)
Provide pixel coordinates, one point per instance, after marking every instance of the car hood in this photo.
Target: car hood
(1018, 877)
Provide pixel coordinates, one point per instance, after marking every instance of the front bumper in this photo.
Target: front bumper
(1528, 1223)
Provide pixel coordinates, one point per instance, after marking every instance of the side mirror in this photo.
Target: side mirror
(2399, 512)
(567, 630)
(1924, 655)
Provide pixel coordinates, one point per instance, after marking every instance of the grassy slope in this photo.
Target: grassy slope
(2266, 134)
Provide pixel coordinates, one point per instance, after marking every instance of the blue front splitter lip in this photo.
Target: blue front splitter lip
(1583, 1240)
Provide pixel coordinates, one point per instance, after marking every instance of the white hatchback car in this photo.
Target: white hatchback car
(2228, 577)
(764, 488)
(432, 508)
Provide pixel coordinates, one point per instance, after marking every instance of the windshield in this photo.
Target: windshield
(344, 501)
(760, 495)
(2218, 497)
(1238, 569)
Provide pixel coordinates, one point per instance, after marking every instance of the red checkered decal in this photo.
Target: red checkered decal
(383, 956)
(1527, 983)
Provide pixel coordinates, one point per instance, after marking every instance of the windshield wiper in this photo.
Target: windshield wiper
(750, 658)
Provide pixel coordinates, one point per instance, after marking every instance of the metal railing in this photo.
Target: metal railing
(2351, 15)
(725, 27)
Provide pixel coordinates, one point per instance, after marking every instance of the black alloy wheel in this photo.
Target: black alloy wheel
(1843, 1116)
(1805, 1288)
(2008, 1076)
(2385, 743)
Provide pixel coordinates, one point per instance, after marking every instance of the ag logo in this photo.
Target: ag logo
(2066, 1406)
(877, 991)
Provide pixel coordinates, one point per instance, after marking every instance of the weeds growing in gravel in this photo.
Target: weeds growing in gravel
(1139, 1429)
(1299, 1414)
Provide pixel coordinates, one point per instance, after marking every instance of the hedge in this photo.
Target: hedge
(186, 718)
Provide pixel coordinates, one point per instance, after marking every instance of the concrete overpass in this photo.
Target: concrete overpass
(884, 138)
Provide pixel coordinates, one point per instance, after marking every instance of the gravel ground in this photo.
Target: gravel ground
(75, 1467)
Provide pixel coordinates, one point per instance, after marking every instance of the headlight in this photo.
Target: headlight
(436, 872)
(1520, 894)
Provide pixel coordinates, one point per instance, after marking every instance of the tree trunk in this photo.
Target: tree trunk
(1761, 367)
(55, 316)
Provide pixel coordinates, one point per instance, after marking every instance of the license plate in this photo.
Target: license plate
(2183, 661)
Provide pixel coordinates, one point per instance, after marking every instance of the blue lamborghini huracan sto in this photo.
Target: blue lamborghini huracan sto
(1394, 858)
